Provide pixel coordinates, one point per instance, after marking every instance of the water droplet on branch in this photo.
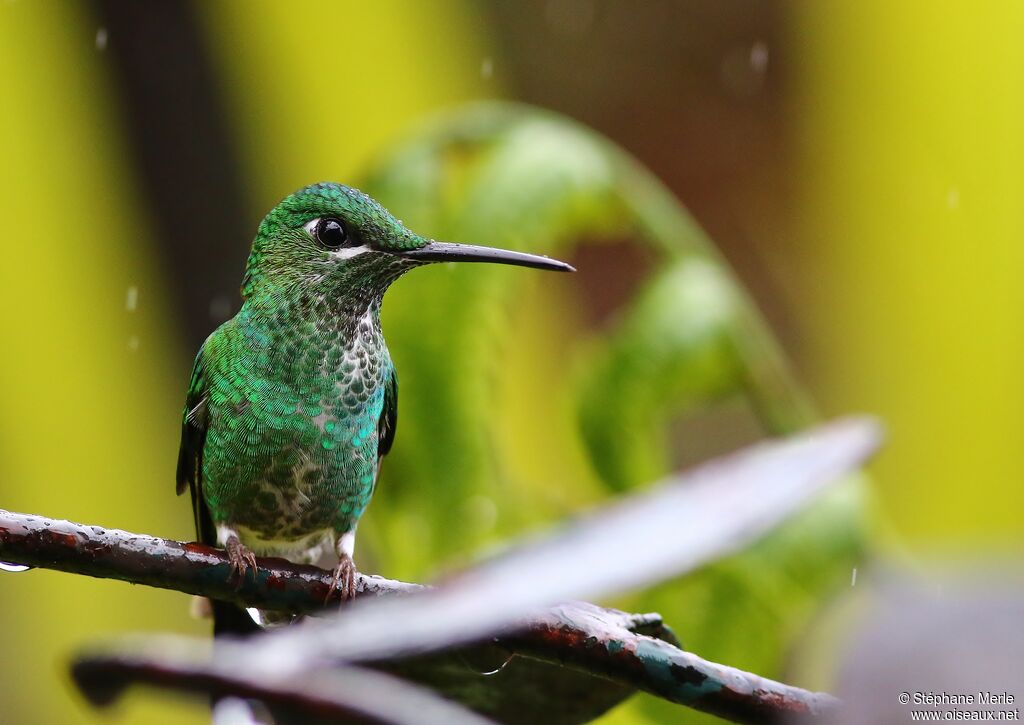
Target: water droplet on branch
(12, 568)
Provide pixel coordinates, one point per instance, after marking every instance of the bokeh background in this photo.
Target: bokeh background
(857, 164)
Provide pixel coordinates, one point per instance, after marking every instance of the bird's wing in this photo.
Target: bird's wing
(228, 619)
(388, 417)
(190, 455)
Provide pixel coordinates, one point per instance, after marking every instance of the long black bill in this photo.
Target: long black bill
(448, 252)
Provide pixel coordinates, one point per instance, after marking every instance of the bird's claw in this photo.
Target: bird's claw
(343, 581)
(242, 559)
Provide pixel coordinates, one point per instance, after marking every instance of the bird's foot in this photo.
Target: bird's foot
(242, 559)
(344, 580)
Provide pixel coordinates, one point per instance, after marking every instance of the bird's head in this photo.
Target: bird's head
(337, 239)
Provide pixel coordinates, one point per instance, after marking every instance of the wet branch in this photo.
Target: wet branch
(632, 650)
(192, 568)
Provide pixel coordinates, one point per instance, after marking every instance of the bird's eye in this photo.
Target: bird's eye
(331, 233)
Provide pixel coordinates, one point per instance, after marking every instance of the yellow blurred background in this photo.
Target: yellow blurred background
(859, 164)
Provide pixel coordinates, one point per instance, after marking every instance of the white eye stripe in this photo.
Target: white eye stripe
(349, 252)
(310, 227)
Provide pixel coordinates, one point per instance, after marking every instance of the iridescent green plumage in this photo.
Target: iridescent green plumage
(294, 400)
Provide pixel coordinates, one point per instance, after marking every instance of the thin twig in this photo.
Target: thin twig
(343, 694)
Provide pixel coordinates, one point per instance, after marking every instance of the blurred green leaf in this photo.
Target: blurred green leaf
(515, 412)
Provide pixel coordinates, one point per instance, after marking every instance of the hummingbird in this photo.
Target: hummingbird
(293, 402)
